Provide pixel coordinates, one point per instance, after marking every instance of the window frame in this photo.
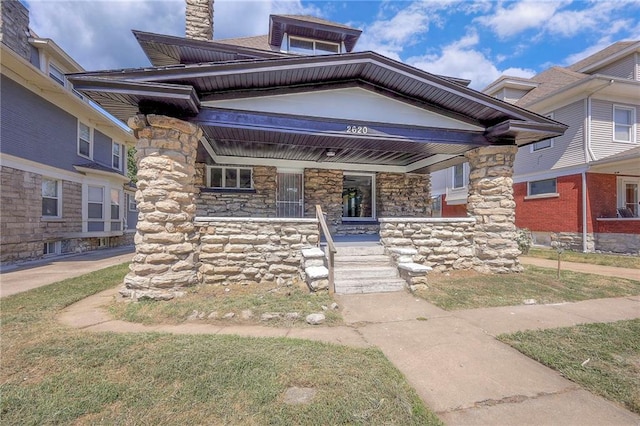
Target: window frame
(102, 218)
(224, 178)
(621, 198)
(631, 126)
(536, 146)
(463, 176)
(61, 79)
(131, 201)
(314, 51)
(90, 141)
(58, 198)
(113, 155)
(57, 248)
(542, 194)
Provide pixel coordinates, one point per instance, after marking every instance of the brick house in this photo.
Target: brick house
(274, 125)
(63, 163)
(580, 189)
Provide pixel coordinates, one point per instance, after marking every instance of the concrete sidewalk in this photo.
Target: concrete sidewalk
(587, 268)
(26, 276)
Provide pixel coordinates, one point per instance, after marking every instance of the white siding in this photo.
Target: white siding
(513, 95)
(637, 67)
(602, 143)
(624, 68)
(567, 150)
(439, 181)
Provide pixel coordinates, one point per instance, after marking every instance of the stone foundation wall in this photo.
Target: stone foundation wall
(618, 243)
(261, 202)
(571, 241)
(441, 243)
(323, 187)
(403, 195)
(253, 250)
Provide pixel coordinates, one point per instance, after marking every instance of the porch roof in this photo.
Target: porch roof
(178, 90)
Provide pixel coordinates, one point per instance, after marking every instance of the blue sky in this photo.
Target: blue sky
(477, 40)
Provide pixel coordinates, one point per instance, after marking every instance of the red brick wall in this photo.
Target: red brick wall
(457, 210)
(622, 226)
(557, 214)
(601, 198)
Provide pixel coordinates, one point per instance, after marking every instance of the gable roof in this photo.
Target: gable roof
(604, 54)
(549, 81)
(313, 28)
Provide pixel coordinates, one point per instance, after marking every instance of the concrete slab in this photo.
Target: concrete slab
(385, 307)
(603, 310)
(346, 336)
(453, 365)
(576, 407)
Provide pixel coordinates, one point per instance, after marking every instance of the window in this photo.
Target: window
(52, 247)
(458, 176)
(56, 75)
(540, 187)
(95, 211)
(115, 210)
(628, 197)
(305, 46)
(230, 177)
(131, 203)
(548, 143)
(623, 124)
(436, 206)
(85, 141)
(50, 197)
(116, 156)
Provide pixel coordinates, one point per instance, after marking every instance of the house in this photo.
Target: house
(579, 190)
(275, 125)
(63, 163)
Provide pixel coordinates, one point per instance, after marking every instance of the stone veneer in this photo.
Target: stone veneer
(259, 202)
(323, 187)
(491, 202)
(199, 19)
(14, 27)
(166, 238)
(441, 243)
(253, 250)
(403, 195)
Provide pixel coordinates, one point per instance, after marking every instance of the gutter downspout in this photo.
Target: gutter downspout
(588, 156)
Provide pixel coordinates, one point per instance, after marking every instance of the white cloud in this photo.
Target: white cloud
(463, 60)
(97, 33)
(521, 16)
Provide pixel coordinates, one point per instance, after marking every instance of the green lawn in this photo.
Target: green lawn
(603, 358)
(468, 290)
(52, 374)
(620, 261)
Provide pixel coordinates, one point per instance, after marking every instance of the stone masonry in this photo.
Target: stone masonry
(491, 202)
(166, 240)
(14, 27)
(253, 250)
(199, 19)
(323, 187)
(403, 195)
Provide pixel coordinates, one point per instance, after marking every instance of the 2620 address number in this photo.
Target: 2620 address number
(357, 130)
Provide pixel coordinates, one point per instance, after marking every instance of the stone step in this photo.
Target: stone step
(364, 274)
(368, 260)
(361, 250)
(362, 287)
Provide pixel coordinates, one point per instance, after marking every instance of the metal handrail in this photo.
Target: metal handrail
(330, 245)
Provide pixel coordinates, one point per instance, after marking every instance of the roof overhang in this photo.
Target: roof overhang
(279, 25)
(624, 163)
(178, 90)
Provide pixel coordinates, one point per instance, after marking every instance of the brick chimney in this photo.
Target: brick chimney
(199, 19)
(14, 27)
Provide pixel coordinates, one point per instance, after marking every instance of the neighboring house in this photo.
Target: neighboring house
(63, 163)
(580, 189)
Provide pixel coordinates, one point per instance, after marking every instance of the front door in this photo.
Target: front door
(289, 195)
(358, 197)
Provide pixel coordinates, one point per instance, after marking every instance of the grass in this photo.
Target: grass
(602, 259)
(52, 374)
(232, 299)
(469, 290)
(603, 358)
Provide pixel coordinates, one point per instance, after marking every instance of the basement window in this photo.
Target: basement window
(229, 178)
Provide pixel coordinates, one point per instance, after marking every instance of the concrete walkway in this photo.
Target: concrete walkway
(26, 276)
(587, 268)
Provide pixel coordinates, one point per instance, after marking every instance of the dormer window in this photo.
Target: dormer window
(56, 75)
(305, 46)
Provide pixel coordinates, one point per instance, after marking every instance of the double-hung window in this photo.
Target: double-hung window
(95, 209)
(85, 140)
(116, 225)
(50, 197)
(116, 156)
(542, 187)
(458, 176)
(230, 177)
(624, 124)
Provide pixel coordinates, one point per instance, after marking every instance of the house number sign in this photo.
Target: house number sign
(357, 130)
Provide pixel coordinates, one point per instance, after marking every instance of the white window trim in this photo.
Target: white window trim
(120, 210)
(132, 201)
(120, 160)
(53, 66)
(90, 157)
(550, 141)
(633, 123)
(543, 195)
(106, 222)
(59, 198)
(465, 177)
(621, 201)
(374, 197)
(314, 51)
(224, 168)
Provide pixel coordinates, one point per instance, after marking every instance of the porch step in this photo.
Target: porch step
(365, 269)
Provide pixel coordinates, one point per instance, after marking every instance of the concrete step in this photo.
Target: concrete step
(368, 260)
(360, 250)
(368, 273)
(362, 287)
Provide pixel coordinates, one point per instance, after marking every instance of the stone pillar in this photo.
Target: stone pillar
(199, 19)
(166, 240)
(491, 202)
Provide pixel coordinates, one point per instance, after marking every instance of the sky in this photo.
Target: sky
(478, 40)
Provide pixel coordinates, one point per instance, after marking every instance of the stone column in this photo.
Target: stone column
(166, 240)
(491, 202)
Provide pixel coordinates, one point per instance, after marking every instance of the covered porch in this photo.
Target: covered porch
(356, 133)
